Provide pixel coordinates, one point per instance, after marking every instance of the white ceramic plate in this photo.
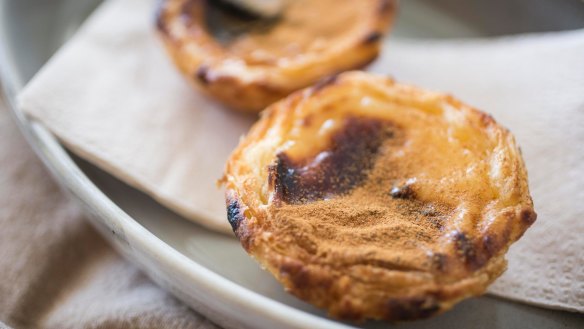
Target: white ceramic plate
(208, 271)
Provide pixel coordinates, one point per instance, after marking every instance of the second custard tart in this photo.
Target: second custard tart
(248, 63)
(373, 199)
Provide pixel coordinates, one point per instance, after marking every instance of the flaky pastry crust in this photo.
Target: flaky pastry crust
(263, 63)
(378, 200)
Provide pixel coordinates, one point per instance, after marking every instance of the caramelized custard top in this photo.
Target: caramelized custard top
(404, 176)
(378, 200)
(305, 28)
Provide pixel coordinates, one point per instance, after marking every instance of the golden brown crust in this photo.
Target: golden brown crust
(313, 39)
(439, 194)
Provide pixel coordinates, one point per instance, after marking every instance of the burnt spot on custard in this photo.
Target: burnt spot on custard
(226, 22)
(344, 165)
(237, 219)
(402, 191)
(231, 9)
(234, 213)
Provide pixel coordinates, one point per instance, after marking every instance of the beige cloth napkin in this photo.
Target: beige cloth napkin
(57, 272)
(113, 97)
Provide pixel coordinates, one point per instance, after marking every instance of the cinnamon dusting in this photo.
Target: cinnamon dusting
(378, 221)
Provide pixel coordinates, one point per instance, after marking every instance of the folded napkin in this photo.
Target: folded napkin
(57, 272)
(112, 96)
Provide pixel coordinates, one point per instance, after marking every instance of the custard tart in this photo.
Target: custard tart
(248, 62)
(377, 200)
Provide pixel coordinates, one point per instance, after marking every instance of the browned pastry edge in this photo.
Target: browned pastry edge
(200, 58)
(337, 289)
